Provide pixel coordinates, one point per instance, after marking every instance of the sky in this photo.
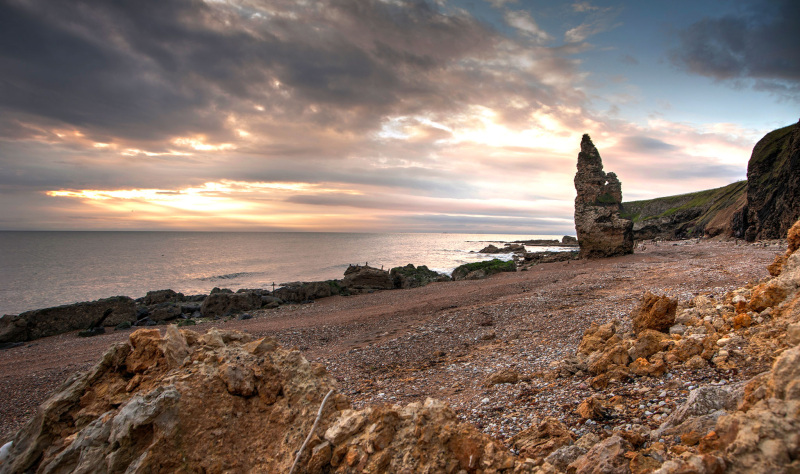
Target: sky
(376, 115)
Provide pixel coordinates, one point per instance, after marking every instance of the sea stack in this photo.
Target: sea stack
(601, 231)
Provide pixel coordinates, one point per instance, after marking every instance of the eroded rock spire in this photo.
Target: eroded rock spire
(601, 230)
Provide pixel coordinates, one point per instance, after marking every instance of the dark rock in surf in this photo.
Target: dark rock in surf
(359, 279)
(301, 292)
(414, 277)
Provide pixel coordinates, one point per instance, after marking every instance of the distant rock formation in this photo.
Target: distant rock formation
(601, 230)
(773, 186)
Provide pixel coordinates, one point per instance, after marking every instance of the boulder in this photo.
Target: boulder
(366, 278)
(490, 249)
(301, 292)
(569, 240)
(60, 319)
(601, 231)
(221, 303)
(542, 439)
(604, 457)
(162, 296)
(654, 312)
(224, 402)
(480, 270)
(413, 277)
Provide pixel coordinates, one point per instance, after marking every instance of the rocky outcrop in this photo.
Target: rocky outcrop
(303, 292)
(358, 279)
(225, 402)
(222, 304)
(414, 277)
(479, 270)
(601, 230)
(59, 319)
(773, 186)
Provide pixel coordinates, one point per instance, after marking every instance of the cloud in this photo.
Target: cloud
(524, 22)
(760, 43)
(599, 20)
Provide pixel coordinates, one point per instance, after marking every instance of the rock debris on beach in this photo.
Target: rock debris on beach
(448, 340)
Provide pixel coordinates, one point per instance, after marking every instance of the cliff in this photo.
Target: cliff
(773, 186)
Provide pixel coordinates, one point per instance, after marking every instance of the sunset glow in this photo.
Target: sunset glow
(432, 116)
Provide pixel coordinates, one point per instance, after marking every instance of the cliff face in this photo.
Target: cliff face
(773, 186)
(601, 230)
(701, 214)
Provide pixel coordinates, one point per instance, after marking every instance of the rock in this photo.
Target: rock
(301, 292)
(366, 278)
(563, 456)
(569, 240)
(60, 319)
(224, 402)
(502, 376)
(700, 410)
(479, 270)
(414, 277)
(648, 342)
(165, 311)
(765, 438)
(490, 249)
(773, 185)
(654, 312)
(601, 231)
(606, 456)
(542, 439)
(592, 409)
(221, 303)
(162, 296)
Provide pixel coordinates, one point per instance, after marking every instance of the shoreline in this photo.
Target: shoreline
(440, 340)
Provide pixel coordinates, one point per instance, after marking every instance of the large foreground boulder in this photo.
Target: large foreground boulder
(225, 402)
(601, 230)
(60, 319)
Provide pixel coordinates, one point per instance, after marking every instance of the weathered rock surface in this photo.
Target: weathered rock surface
(365, 278)
(221, 304)
(601, 230)
(773, 185)
(301, 292)
(59, 319)
(654, 312)
(414, 277)
(224, 402)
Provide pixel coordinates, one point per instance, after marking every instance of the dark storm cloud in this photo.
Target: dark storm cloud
(760, 43)
(151, 69)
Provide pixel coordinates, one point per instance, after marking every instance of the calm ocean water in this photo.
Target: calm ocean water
(42, 269)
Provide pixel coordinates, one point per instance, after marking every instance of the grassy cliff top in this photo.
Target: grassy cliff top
(707, 202)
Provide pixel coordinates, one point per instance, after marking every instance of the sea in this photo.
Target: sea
(43, 269)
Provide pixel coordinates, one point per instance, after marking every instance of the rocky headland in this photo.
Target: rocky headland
(762, 207)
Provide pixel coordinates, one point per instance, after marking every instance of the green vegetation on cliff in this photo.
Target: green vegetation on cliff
(686, 215)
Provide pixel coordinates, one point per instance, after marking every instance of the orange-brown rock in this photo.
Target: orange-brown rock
(767, 295)
(592, 409)
(642, 367)
(742, 320)
(223, 402)
(776, 267)
(648, 342)
(542, 439)
(654, 312)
